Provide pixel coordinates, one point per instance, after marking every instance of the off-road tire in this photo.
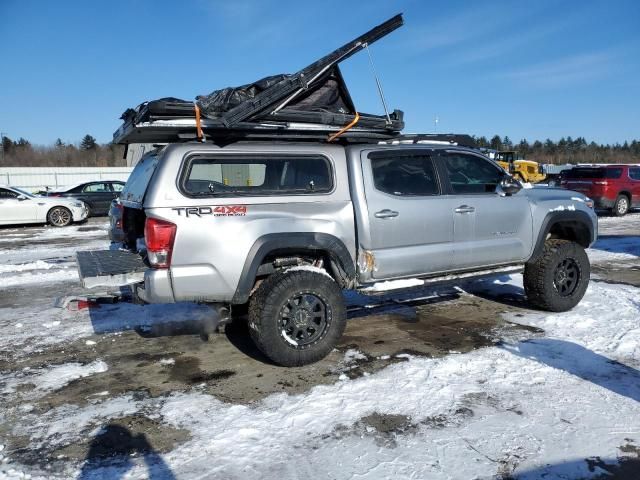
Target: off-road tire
(621, 206)
(59, 217)
(543, 280)
(275, 295)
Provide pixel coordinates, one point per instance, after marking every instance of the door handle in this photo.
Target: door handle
(465, 209)
(386, 213)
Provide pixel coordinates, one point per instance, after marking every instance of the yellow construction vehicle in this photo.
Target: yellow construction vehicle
(523, 170)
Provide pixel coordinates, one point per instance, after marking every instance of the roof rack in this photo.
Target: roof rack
(312, 103)
(453, 139)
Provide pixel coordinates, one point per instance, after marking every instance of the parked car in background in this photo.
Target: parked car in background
(613, 187)
(97, 195)
(116, 231)
(18, 207)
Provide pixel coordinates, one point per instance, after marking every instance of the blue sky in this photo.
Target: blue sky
(523, 69)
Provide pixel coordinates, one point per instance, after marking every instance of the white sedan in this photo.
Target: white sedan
(18, 206)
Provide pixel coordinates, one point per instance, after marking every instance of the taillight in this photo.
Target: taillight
(55, 194)
(159, 236)
(601, 182)
(120, 220)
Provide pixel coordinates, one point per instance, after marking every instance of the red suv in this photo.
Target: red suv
(615, 187)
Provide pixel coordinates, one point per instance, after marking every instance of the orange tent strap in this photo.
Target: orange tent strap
(345, 128)
(198, 125)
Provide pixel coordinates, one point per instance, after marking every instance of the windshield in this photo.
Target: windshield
(22, 192)
(594, 173)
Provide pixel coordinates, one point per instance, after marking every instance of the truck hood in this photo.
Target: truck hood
(561, 195)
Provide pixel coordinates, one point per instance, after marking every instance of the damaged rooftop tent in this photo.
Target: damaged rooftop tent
(312, 104)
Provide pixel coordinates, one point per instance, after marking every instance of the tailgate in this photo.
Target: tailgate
(110, 268)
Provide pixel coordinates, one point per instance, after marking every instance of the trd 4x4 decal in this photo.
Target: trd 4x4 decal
(220, 211)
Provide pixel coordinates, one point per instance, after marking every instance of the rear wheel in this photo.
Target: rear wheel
(621, 207)
(59, 217)
(558, 279)
(297, 318)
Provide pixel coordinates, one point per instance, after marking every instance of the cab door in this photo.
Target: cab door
(410, 227)
(489, 227)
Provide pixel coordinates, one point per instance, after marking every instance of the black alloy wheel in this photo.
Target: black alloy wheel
(566, 277)
(303, 319)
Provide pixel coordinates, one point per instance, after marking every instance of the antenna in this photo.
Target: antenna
(373, 69)
(435, 124)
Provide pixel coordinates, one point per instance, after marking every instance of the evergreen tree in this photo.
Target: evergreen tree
(506, 142)
(482, 142)
(59, 143)
(496, 142)
(7, 144)
(23, 142)
(523, 147)
(88, 143)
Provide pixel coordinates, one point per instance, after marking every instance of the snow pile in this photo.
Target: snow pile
(21, 267)
(60, 275)
(53, 378)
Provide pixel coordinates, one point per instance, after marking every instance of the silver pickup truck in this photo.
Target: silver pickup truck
(285, 227)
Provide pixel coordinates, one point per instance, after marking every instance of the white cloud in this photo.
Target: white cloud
(567, 70)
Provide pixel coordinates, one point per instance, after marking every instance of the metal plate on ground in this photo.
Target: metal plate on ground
(110, 268)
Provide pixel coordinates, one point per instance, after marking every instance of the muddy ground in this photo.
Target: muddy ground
(155, 362)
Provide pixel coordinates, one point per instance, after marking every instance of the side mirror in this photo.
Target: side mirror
(21, 198)
(509, 185)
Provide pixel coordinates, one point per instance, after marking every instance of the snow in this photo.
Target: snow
(309, 268)
(52, 378)
(562, 208)
(394, 285)
(30, 278)
(21, 267)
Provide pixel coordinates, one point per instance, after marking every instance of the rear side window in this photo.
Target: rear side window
(233, 175)
(117, 187)
(96, 188)
(404, 175)
(634, 173)
(575, 173)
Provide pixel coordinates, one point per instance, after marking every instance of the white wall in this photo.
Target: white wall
(38, 178)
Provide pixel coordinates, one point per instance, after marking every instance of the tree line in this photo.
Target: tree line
(567, 150)
(88, 153)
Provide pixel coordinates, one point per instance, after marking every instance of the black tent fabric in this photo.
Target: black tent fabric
(329, 94)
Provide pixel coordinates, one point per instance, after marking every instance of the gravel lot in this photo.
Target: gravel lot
(459, 383)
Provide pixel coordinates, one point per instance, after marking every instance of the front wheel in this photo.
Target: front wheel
(558, 279)
(59, 217)
(297, 318)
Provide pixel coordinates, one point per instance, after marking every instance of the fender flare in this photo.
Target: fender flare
(553, 218)
(271, 242)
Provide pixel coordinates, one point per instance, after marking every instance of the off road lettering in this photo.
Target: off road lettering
(219, 211)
